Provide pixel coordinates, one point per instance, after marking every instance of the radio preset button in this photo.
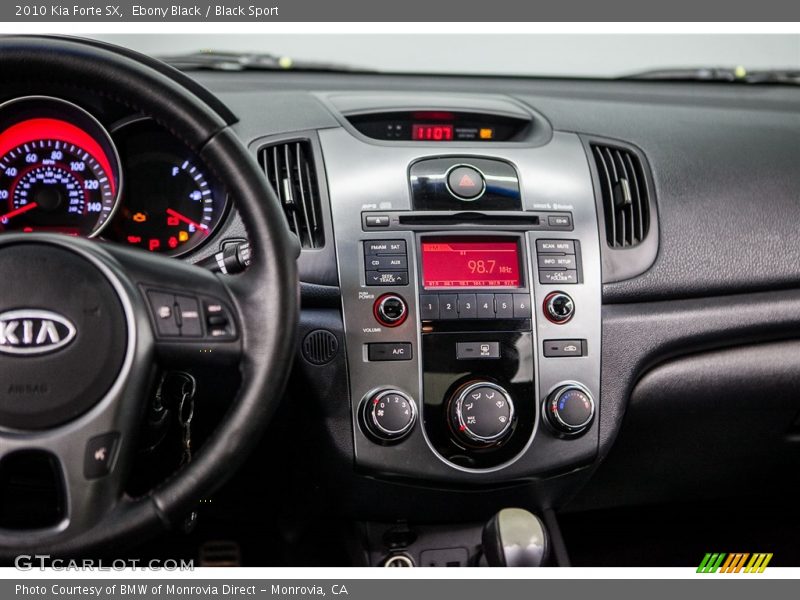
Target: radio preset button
(448, 306)
(467, 306)
(429, 307)
(504, 306)
(485, 304)
(522, 306)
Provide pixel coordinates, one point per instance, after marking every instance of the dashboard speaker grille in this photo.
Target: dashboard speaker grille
(320, 347)
(289, 167)
(624, 191)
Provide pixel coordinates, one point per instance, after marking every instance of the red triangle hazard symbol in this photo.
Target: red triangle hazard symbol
(466, 181)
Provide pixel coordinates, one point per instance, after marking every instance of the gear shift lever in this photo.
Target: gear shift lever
(515, 538)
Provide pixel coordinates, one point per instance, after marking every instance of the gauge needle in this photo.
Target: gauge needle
(18, 211)
(179, 216)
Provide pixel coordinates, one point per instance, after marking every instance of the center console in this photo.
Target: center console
(470, 282)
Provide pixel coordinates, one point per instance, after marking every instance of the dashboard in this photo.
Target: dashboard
(542, 293)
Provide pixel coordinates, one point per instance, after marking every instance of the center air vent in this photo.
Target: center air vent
(624, 191)
(289, 167)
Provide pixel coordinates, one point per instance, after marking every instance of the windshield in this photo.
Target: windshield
(556, 55)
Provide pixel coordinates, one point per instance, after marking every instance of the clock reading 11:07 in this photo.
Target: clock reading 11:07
(473, 262)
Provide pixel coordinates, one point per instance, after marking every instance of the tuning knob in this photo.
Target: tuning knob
(569, 409)
(389, 415)
(481, 413)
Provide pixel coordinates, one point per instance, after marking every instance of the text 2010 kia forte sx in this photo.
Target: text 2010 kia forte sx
(266, 315)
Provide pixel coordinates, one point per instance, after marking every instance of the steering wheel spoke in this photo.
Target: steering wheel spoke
(192, 312)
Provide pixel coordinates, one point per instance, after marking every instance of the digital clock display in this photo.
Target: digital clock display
(472, 262)
(431, 132)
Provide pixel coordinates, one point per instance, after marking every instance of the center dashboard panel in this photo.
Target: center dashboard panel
(471, 294)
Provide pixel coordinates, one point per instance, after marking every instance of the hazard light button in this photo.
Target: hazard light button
(466, 183)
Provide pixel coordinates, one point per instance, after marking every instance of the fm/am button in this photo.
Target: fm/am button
(389, 351)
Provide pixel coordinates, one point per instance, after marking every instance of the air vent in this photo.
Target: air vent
(289, 167)
(624, 191)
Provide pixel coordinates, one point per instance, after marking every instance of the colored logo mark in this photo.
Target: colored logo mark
(722, 562)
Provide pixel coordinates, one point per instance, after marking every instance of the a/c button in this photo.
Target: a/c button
(389, 351)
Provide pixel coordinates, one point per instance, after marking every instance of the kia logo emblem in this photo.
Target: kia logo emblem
(27, 331)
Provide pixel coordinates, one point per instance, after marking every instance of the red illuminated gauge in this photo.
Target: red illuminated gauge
(59, 170)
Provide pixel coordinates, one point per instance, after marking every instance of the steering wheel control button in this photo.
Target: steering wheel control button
(163, 307)
(564, 348)
(481, 413)
(558, 308)
(389, 351)
(188, 316)
(100, 454)
(390, 415)
(477, 350)
(390, 310)
(569, 410)
(466, 183)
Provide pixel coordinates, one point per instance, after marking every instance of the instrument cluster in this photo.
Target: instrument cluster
(62, 171)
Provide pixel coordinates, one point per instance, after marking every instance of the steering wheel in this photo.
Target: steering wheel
(96, 384)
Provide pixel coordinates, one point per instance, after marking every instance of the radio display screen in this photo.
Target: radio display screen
(470, 262)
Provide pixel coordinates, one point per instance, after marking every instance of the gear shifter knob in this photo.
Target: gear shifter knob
(515, 538)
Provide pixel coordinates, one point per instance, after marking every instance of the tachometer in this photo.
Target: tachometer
(59, 170)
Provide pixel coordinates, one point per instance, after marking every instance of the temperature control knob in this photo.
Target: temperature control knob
(569, 409)
(481, 413)
(390, 310)
(389, 415)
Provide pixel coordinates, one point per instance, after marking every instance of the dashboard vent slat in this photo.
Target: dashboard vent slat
(289, 167)
(624, 193)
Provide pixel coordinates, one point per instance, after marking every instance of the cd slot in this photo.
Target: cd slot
(470, 219)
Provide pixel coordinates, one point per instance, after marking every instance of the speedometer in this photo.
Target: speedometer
(59, 170)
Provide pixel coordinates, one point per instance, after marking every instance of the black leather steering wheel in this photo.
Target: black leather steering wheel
(104, 287)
